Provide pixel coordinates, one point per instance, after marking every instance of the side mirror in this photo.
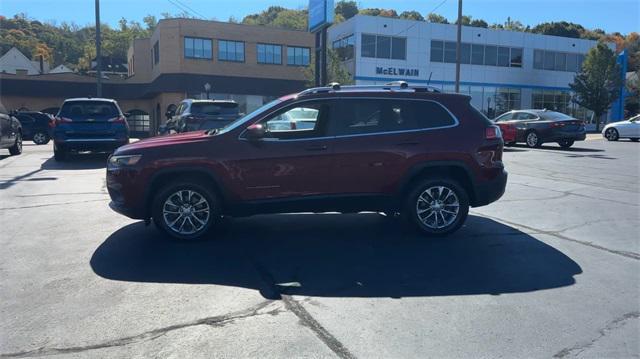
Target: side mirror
(13, 113)
(255, 132)
(169, 113)
(127, 114)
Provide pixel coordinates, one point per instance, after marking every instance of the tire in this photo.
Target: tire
(532, 139)
(41, 138)
(176, 200)
(16, 149)
(566, 143)
(611, 134)
(512, 143)
(432, 200)
(59, 154)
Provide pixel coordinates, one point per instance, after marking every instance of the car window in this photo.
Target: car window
(505, 117)
(87, 109)
(223, 108)
(431, 114)
(301, 121)
(24, 119)
(524, 116)
(181, 107)
(359, 117)
(634, 118)
(554, 116)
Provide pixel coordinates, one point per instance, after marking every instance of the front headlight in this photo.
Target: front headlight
(122, 161)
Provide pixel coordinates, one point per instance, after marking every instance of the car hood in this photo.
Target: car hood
(167, 140)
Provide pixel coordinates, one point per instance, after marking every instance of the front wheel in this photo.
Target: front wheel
(533, 140)
(437, 206)
(16, 149)
(186, 210)
(59, 154)
(41, 138)
(611, 134)
(566, 143)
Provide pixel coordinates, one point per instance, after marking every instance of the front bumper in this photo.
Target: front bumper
(490, 191)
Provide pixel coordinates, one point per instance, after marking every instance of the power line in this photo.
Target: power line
(436, 8)
(181, 8)
(190, 8)
(417, 22)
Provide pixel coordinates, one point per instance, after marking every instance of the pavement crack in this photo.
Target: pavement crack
(627, 254)
(214, 321)
(612, 325)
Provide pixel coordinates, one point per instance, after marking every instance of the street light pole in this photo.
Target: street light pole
(458, 40)
(98, 52)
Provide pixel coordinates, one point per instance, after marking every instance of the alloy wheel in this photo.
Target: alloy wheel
(437, 207)
(611, 134)
(186, 212)
(39, 138)
(532, 139)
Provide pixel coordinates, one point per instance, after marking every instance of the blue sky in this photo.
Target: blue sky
(610, 15)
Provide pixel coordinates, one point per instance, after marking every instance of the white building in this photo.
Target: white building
(500, 69)
(14, 61)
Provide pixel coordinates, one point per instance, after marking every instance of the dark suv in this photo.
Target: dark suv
(393, 149)
(195, 115)
(89, 124)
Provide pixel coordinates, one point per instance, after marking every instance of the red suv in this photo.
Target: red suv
(393, 149)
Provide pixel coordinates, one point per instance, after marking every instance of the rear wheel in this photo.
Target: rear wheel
(437, 206)
(186, 210)
(533, 140)
(611, 134)
(40, 138)
(566, 143)
(59, 153)
(16, 149)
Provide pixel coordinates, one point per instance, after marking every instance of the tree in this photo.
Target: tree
(562, 28)
(278, 16)
(336, 71)
(347, 9)
(598, 83)
(411, 15)
(479, 23)
(379, 12)
(437, 19)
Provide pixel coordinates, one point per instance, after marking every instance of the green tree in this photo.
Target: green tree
(598, 83)
(437, 19)
(479, 23)
(562, 28)
(411, 15)
(347, 9)
(336, 71)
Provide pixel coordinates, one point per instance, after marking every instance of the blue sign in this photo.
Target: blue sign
(320, 14)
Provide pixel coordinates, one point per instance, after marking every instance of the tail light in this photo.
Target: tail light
(556, 124)
(492, 133)
(119, 119)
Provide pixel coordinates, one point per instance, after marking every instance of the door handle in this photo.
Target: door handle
(319, 148)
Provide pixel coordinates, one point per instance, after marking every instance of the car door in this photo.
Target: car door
(374, 139)
(5, 126)
(287, 162)
(524, 121)
(27, 123)
(635, 127)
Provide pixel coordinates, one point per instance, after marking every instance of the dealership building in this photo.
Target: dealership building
(501, 70)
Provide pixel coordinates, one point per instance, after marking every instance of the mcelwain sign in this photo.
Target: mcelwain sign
(397, 71)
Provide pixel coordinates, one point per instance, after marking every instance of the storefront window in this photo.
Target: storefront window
(344, 47)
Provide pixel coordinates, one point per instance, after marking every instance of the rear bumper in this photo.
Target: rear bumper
(91, 144)
(562, 135)
(490, 191)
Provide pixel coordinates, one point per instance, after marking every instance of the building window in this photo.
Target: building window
(437, 50)
(344, 47)
(269, 54)
(516, 57)
(476, 54)
(560, 101)
(197, 48)
(538, 56)
(384, 47)
(298, 56)
(549, 60)
(557, 61)
(156, 52)
(230, 50)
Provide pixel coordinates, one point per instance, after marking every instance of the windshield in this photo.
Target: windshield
(554, 116)
(98, 110)
(246, 118)
(224, 108)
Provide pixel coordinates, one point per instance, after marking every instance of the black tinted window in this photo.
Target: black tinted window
(95, 109)
(430, 114)
(24, 119)
(214, 108)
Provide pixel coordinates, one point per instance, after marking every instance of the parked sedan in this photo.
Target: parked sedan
(535, 127)
(36, 126)
(623, 129)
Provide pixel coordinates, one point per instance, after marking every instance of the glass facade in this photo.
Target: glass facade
(298, 56)
(269, 54)
(344, 47)
(383, 47)
(560, 101)
(476, 54)
(557, 61)
(492, 101)
(231, 51)
(197, 48)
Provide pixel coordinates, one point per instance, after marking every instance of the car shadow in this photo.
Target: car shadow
(558, 148)
(77, 162)
(355, 255)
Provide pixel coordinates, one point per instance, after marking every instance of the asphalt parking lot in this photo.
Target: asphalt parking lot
(550, 270)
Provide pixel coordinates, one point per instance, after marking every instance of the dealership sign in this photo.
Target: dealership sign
(320, 14)
(397, 71)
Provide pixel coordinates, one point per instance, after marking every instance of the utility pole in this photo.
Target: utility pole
(458, 40)
(98, 52)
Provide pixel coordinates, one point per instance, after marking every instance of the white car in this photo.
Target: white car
(624, 129)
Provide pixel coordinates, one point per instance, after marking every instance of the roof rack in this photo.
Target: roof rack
(395, 86)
